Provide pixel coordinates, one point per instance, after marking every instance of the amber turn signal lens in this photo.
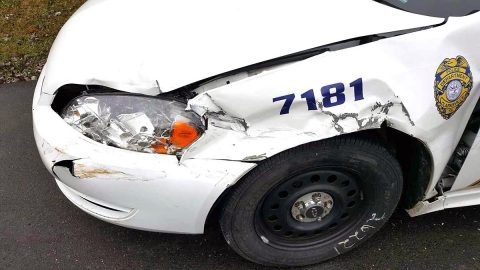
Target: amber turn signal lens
(183, 134)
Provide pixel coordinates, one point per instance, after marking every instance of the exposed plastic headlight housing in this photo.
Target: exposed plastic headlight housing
(137, 123)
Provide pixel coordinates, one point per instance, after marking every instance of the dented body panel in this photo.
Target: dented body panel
(398, 91)
(155, 189)
(251, 114)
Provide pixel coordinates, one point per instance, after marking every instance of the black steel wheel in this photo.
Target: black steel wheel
(309, 208)
(312, 203)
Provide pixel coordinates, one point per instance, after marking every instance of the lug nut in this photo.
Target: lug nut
(300, 205)
(300, 217)
(317, 197)
(328, 204)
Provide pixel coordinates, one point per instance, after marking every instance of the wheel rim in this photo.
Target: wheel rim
(309, 208)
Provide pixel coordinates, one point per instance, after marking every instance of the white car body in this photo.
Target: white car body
(155, 47)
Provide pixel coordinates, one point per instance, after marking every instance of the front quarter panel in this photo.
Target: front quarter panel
(398, 77)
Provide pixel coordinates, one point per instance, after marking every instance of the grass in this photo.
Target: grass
(27, 31)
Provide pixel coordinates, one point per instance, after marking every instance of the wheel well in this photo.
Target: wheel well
(416, 162)
(414, 157)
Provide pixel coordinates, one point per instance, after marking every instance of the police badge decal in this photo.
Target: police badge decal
(453, 83)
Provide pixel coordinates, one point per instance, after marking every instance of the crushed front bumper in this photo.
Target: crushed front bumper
(132, 189)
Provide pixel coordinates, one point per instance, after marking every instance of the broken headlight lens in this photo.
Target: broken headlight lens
(135, 123)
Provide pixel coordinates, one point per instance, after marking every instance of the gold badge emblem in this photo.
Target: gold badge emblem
(453, 83)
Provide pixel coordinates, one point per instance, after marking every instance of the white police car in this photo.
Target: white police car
(305, 123)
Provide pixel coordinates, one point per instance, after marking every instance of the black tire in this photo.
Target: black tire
(369, 168)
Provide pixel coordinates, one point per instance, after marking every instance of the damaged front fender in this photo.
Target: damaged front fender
(319, 98)
(244, 124)
(234, 138)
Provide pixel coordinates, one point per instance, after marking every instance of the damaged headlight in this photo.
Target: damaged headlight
(135, 123)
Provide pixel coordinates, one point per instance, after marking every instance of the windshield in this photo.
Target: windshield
(436, 8)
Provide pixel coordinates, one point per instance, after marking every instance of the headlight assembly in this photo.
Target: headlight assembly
(135, 123)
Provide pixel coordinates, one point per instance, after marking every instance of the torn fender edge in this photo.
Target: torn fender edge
(206, 107)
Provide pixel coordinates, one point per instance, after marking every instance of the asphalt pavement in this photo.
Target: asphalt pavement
(40, 229)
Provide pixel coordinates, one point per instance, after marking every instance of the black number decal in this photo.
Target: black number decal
(288, 103)
(333, 95)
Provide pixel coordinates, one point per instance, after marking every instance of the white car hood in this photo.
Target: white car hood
(143, 45)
